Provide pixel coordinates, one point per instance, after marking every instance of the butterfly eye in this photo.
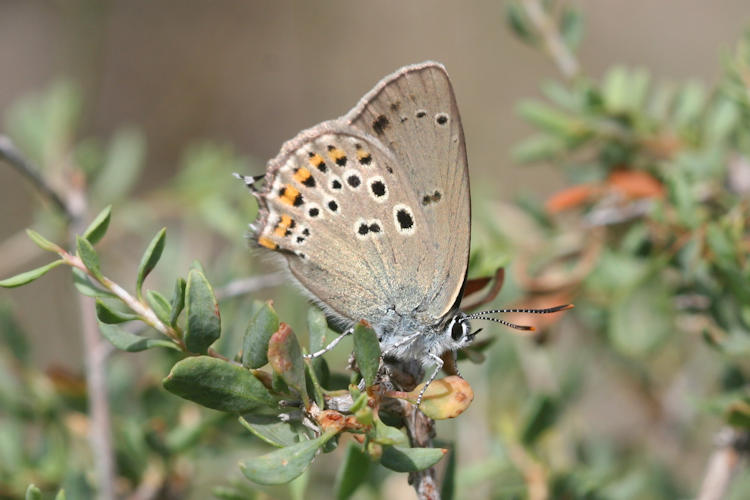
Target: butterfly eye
(457, 330)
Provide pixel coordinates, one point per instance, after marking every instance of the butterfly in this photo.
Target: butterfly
(372, 214)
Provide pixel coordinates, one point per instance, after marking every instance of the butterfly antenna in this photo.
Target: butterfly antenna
(524, 328)
(548, 310)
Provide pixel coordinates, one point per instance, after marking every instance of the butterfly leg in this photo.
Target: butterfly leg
(407, 340)
(249, 180)
(330, 346)
(439, 362)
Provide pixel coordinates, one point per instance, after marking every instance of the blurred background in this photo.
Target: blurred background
(170, 97)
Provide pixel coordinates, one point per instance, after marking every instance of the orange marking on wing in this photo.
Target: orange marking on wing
(302, 175)
(267, 242)
(290, 194)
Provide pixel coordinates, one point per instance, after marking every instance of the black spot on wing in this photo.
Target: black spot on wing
(380, 124)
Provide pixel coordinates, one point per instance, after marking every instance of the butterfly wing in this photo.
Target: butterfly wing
(414, 113)
(363, 227)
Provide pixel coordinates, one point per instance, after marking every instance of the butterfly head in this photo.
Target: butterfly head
(457, 332)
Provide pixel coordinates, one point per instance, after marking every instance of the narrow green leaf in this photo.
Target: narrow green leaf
(43, 242)
(203, 317)
(387, 435)
(285, 357)
(403, 459)
(126, 341)
(232, 493)
(124, 161)
(262, 325)
(615, 90)
(160, 305)
(218, 384)
(571, 27)
(86, 287)
(551, 120)
(28, 276)
(60, 495)
(366, 351)
(283, 465)
(270, 429)
(150, 257)
(98, 228)
(352, 473)
(313, 385)
(110, 316)
(539, 147)
(88, 256)
(320, 336)
(12, 337)
(33, 493)
(519, 24)
(448, 488)
(541, 415)
(177, 304)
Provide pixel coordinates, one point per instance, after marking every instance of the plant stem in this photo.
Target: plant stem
(723, 463)
(562, 56)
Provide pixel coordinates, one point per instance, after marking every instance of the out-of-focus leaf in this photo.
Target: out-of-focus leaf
(203, 319)
(519, 23)
(721, 121)
(60, 495)
(738, 413)
(126, 341)
(28, 276)
(551, 120)
(283, 465)
(366, 351)
(263, 324)
(352, 473)
(689, 104)
(125, 159)
(218, 384)
(98, 227)
(571, 27)
(537, 148)
(271, 429)
(542, 413)
(448, 488)
(33, 493)
(410, 459)
(11, 334)
(615, 90)
(150, 257)
(641, 321)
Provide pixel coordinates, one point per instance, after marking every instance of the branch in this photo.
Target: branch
(723, 462)
(562, 56)
(15, 159)
(249, 285)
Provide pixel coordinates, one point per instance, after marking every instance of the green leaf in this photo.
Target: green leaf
(110, 316)
(218, 384)
(403, 459)
(312, 385)
(385, 434)
(60, 495)
(28, 276)
(177, 304)
(738, 413)
(641, 321)
(124, 161)
(285, 357)
(150, 257)
(33, 493)
(98, 227)
(86, 287)
(43, 242)
(519, 23)
(538, 148)
(262, 325)
(615, 90)
(283, 465)
(448, 488)
(88, 256)
(271, 429)
(159, 304)
(320, 336)
(203, 317)
(541, 415)
(352, 473)
(126, 341)
(551, 120)
(366, 352)
(571, 27)
(12, 336)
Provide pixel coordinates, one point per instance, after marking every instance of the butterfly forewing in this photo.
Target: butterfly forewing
(371, 210)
